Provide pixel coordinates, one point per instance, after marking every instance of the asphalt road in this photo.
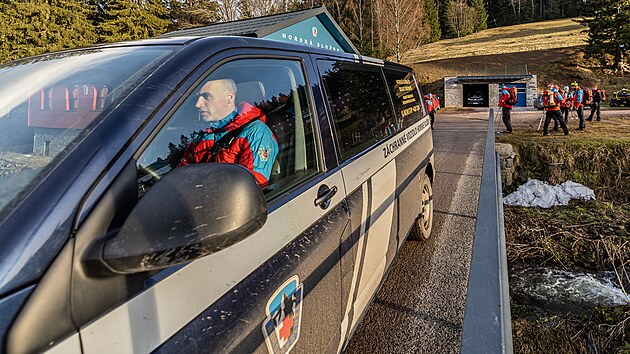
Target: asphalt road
(420, 307)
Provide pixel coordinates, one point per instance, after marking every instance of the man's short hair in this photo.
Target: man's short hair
(228, 85)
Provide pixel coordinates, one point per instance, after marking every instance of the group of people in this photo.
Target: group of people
(557, 104)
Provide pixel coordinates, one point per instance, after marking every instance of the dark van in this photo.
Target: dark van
(112, 244)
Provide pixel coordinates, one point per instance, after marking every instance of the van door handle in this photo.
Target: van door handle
(324, 195)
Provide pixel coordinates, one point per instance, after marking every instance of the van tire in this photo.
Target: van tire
(424, 222)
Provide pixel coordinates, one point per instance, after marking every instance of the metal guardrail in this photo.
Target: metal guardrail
(487, 320)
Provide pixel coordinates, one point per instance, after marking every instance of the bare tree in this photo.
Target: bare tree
(228, 10)
(258, 8)
(192, 13)
(401, 25)
(461, 18)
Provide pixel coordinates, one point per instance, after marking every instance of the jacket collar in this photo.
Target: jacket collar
(243, 115)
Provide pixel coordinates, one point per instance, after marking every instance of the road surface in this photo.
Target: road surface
(420, 307)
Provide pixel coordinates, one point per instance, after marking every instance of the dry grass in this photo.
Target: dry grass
(606, 330)
(590, 235)
(522, 38)
(552, 50)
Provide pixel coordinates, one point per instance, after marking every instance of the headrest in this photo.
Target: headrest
(251, 92)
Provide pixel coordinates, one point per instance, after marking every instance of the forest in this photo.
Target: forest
(379, 28)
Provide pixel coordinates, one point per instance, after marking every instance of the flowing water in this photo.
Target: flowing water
(561, 290)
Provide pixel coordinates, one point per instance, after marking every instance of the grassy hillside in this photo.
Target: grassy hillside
(552, 50)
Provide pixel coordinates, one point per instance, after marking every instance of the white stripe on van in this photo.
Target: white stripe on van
(378, 233)
(149, 319)
(70, 345)
(355, 272)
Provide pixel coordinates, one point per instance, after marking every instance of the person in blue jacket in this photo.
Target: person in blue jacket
(578, 104)
(235, 134)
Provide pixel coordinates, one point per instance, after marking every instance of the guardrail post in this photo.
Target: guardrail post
(487, 319)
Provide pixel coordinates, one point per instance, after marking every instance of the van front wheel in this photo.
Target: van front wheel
(424, 223)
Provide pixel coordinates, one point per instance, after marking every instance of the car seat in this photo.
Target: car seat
(280, 123)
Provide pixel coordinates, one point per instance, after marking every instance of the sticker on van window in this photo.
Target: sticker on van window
(284, 316)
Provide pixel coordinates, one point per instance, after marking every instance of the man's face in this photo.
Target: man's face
(214, 102)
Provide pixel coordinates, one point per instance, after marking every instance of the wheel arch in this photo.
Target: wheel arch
(429, 171)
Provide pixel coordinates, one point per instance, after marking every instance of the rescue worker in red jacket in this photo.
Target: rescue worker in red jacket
(430, 107)
(552, 99)
(504, 103)
(235, 135)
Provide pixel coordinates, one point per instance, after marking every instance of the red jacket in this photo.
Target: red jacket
(255, 147)
(503, 99)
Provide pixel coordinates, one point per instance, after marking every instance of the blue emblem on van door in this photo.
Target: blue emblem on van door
(284, 315)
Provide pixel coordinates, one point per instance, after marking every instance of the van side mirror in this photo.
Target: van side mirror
(192, 212)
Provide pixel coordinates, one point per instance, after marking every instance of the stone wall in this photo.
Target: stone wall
(508, 162)
(49, 141)
(453, 93)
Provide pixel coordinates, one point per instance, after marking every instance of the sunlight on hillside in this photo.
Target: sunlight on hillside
(510, 39)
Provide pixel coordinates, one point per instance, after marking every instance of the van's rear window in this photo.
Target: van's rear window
(406, 97)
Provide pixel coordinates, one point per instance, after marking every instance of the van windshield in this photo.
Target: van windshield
(46, 101)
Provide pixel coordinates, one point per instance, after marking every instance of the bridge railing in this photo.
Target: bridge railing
(487, 320)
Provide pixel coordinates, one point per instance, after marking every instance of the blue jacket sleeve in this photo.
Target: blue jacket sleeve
(264, 147)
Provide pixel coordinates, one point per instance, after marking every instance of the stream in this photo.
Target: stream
(576, 291)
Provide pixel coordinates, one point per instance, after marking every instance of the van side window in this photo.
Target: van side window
(360, 105)
(407, 103)
(277, 90)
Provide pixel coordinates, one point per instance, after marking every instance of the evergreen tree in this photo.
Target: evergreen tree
(444, 5)
(133, 19)
(36, 27)
(433, 21)
(99, 10)
(482, 15)
(608, 32)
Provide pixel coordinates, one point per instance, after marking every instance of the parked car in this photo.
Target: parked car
(620, 98)
(111, 245)
(476, 99)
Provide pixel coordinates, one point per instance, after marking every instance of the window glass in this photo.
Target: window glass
(277, 89)
(46, 101)
(407, 103)
(360, 105)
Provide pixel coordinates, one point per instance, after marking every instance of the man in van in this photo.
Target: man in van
(234, 135)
